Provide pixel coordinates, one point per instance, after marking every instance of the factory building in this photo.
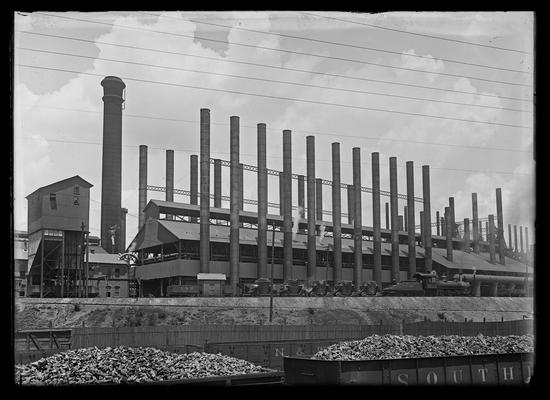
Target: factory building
(58, 216)
(58, 264)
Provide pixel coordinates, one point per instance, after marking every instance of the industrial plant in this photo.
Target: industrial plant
(201, 248)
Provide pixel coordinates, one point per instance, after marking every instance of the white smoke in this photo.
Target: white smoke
(322, 233)
(296, 220)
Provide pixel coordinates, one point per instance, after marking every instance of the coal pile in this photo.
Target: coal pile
(128, 365)
(377, 347)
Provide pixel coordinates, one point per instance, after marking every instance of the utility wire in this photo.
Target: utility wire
(195, 37)
(296, 131)
(284, 98)
(418, 34)
(267, 80)
(277, 67)
(279, 157)
(337, 43)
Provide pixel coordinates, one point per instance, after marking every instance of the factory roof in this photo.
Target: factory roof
(62, 184)
(157, 232)
(479, 262)
(193, 210)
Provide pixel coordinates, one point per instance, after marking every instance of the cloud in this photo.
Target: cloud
(60, 160)
(429, 63)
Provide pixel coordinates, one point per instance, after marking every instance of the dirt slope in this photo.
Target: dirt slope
(37, 313)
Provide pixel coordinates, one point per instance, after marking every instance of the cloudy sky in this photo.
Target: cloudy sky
(455, 95)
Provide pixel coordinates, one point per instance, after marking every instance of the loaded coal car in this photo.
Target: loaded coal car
(428, 284)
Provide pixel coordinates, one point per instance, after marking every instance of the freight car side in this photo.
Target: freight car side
(490, 369)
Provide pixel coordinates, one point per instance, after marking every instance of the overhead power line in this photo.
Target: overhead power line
(268, 80)
(195, 37)
(339, 44)
(269, 156)
(356, 78)
(364, 137)
(419, 34)
(285, 98)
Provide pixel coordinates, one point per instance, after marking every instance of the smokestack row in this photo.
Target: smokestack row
(394, 221)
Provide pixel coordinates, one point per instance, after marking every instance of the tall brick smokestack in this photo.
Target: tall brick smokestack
(111, 181)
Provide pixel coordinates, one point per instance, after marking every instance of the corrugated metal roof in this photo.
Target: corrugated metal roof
(469, 261)
(219, 233)
(63, 183)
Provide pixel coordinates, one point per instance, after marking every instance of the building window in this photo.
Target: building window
(76, 190)
(108, 294)
(117, 273)
(53, 201)
(75, 201)
(117, 291)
